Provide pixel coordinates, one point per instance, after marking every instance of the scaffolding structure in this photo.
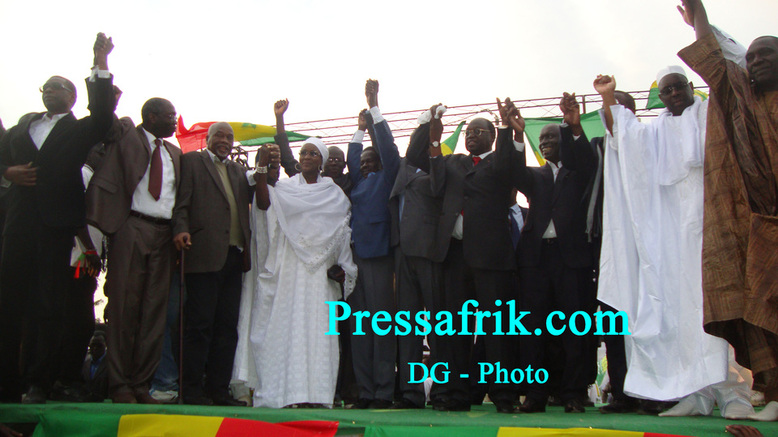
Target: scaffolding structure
(338, 131)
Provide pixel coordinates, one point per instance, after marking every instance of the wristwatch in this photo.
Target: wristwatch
(262, 169)
(436, 144)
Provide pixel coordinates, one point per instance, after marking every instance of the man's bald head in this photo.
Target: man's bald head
(762, 63)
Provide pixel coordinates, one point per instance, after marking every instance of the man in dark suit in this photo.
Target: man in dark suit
(473, 242)
(554, 256)
(211, 221)
(42, 158)
(130, 198)
(373, 171)
(415, 212)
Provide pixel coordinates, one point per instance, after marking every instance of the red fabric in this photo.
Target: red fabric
(193, 138)
(155, 171)
(476, 160)
(250, 428)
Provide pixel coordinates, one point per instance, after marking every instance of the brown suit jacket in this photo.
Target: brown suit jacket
(128, 153)
(203, 211)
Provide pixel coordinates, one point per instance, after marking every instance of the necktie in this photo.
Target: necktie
(476, 160)
(515, 231)
(155, 171)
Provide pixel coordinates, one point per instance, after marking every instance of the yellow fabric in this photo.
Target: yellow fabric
(249, 131)
(162, 425)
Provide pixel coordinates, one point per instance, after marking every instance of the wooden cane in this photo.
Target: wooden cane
(181, 289)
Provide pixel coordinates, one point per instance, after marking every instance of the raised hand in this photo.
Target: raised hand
(103, 46)
(604, 84)
(436, 125)
(363, 119)
(371, 92)
(280, 107)
(264, 156)
(570, 108)
(511, 116)
(275, 155)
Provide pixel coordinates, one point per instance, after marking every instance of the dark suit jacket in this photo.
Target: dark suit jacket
(58, 196)
(564, 201)
(482, 192)
(203, 211)
(370, 218)
(128, 153)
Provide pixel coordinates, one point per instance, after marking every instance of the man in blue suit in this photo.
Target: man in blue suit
(373, 172)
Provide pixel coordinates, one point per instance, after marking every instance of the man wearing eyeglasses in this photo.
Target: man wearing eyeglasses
(42, 158)
(651, 261)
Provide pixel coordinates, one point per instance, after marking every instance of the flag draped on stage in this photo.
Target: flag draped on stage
(149, 425)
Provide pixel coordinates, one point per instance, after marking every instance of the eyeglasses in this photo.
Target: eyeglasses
(475, 132)
(54, 86)
(666, 91)
(311, 153)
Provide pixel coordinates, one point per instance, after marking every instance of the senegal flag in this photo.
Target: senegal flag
(247, 134)
(655, 103)
(153, 425)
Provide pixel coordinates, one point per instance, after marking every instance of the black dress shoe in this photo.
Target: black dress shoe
(620, 407)
(360, 404)
(574, 406)
(405, 404)
(197, 400)
(228, 401)
(35, 395)
(380, 404)
(454, 405)
(505, 407)
(68, 393)
(532, 406)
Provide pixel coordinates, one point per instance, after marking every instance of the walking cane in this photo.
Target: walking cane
(181, 289)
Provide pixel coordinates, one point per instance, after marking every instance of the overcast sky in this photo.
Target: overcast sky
(230, 60)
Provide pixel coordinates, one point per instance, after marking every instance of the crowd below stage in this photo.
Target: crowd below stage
(671, 223)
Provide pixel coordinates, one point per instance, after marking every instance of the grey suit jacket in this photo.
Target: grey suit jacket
(202, 210)
(128, 153)
(415, 231)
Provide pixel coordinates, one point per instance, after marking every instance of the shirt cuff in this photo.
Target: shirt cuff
(250, 177)
(97, 73)
(359, 135)
(518, 146)
(376, 113)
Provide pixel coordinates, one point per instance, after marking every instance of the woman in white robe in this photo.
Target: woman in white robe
(308, 256)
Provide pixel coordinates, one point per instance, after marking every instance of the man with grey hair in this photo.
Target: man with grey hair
(211, 222)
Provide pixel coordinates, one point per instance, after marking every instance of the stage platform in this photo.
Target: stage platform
(65, 419)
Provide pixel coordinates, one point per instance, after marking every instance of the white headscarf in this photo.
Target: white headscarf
(325, 154)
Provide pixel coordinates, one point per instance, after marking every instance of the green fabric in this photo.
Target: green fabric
(66, 420)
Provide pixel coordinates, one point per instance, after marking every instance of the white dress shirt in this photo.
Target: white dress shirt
(142, 201)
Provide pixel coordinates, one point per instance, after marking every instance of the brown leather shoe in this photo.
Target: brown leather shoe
(123, 398)
(144, 397)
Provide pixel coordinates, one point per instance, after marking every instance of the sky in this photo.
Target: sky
(232, 59)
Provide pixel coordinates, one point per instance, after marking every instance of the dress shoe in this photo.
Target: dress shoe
(505, 407)
(69, 393)
(228, 401)
(532, 406)
(360, 404)
(653, 408)
(405, 404)
(574, 406)
(620, 407)
(454, 405)
(380, 404)
(35, 395)
(123, 398)
(144, 397)
(197, 400)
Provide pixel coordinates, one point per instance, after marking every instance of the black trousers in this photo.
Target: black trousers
(461, 283)
(33, 282)
(211, 327)
(78, 327)
(552, 286)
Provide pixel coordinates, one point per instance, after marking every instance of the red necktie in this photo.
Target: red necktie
(476, 160)
(155, 171)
